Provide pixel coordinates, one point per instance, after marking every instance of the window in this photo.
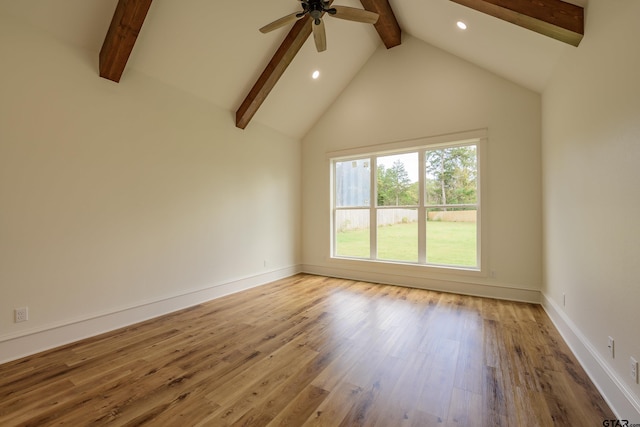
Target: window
(416, 206)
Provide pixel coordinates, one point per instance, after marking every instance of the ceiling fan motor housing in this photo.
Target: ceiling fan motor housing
(316, 8)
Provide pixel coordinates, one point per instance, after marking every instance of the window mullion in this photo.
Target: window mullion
(334, 208)
(422, 212)
(373, 216)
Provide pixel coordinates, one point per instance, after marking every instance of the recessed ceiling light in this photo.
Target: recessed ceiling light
(315, 74)
(461, 25)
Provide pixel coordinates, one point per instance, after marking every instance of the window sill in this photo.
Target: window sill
(434, 271)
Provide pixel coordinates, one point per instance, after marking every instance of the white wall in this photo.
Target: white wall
(113, 196)
(413, 91)
(591, 158)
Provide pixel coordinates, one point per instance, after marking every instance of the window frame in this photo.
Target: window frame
(477, 138)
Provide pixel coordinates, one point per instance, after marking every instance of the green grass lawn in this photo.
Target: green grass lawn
(449, 243)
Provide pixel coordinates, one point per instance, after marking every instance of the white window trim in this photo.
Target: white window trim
(478, 137)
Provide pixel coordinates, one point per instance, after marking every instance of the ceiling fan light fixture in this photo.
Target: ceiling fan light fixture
(316, 15)
(461, 25)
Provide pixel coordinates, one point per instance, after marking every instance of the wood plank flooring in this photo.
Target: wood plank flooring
(313, 351)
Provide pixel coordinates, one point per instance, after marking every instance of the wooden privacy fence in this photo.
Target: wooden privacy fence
(453, 216)
(359, 218)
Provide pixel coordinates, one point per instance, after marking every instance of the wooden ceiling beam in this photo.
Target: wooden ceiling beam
(553, 18)
(275, 68)
(121, 37)
(387, 25)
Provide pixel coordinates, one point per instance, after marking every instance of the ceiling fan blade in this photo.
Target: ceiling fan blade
(353, 14)
(279, 22)
(319, 36)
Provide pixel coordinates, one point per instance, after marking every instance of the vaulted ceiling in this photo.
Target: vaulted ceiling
(215, 51)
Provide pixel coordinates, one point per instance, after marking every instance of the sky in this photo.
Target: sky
(410, 161)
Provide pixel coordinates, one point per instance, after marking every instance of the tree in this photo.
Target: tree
(451, 176)
(395, 187)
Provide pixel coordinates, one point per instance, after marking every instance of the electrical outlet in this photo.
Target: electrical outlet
(611, 347)
(634, 369)
(21, 314)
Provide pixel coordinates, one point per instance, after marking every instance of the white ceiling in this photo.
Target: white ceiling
(213, 49)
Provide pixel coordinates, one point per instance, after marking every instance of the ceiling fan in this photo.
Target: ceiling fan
(317, 8)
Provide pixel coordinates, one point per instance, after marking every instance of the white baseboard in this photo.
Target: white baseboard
(620, 398)
(30, 342)
(512, 293)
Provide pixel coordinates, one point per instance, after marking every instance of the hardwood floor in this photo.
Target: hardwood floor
(314, 351)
